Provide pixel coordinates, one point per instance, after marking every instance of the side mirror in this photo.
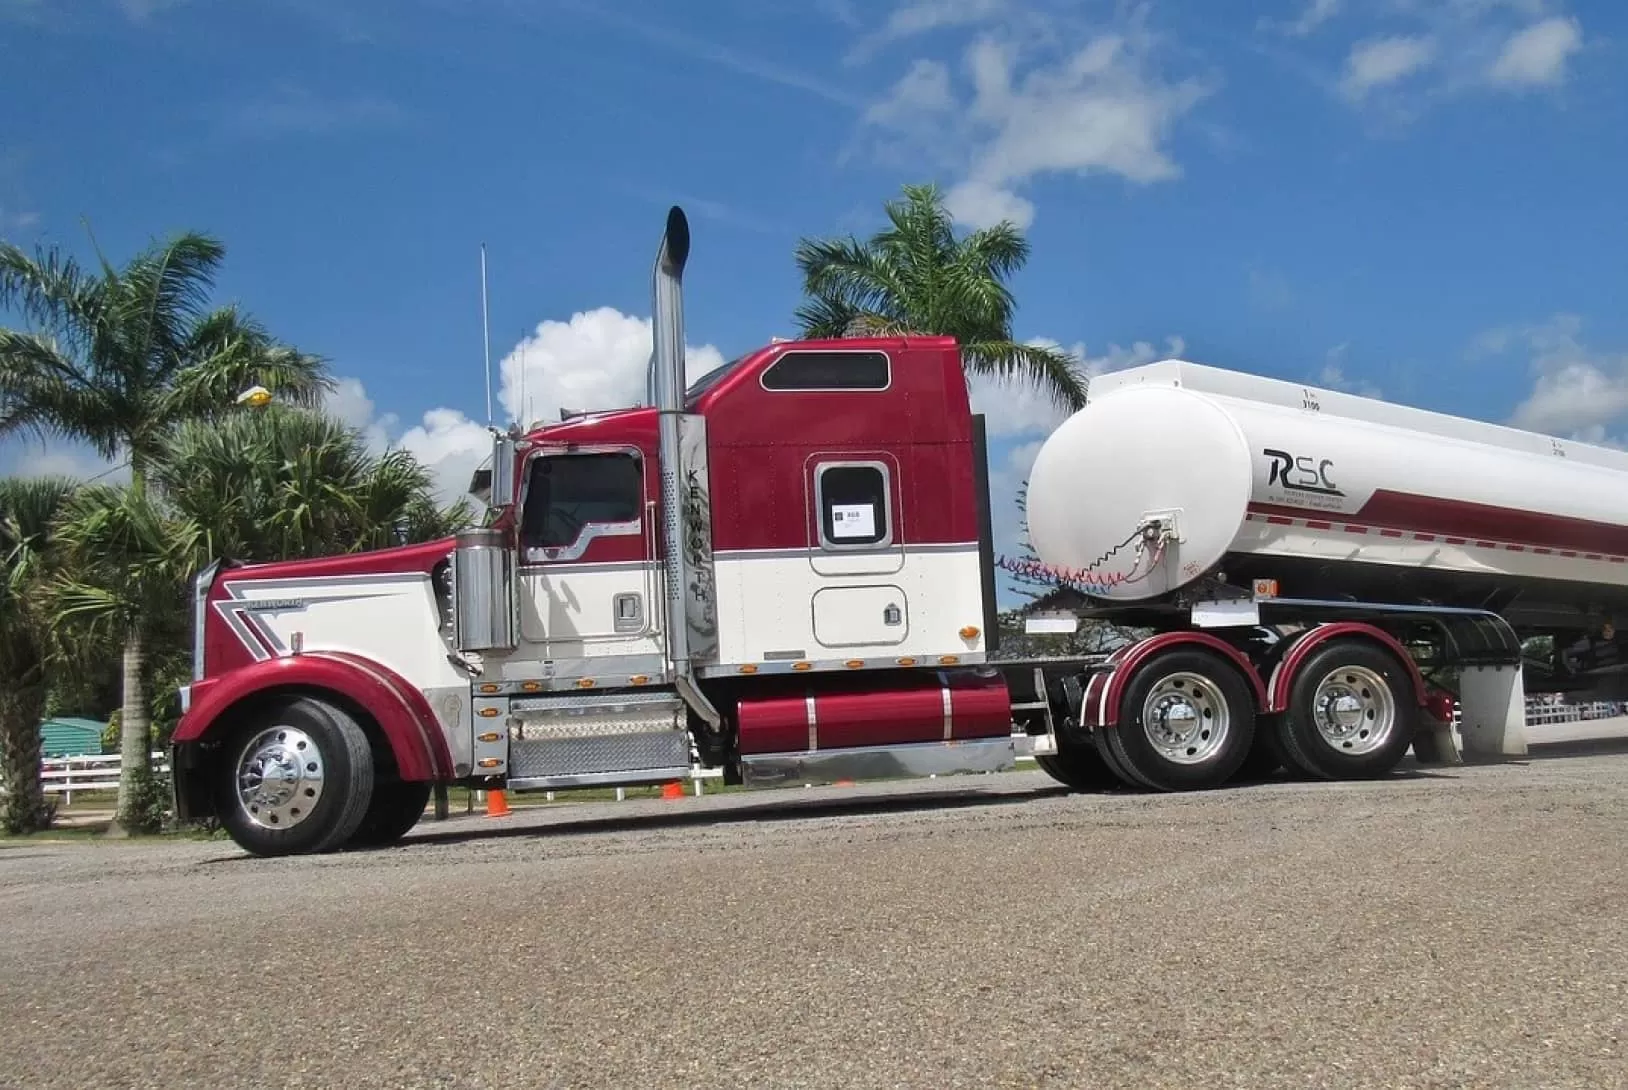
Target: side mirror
(502, 494)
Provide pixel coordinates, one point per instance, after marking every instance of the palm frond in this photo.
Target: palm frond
(43, 393)
(162, 294)
(1053, 371)
(52, 292)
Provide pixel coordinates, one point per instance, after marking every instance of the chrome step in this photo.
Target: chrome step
(646, 756)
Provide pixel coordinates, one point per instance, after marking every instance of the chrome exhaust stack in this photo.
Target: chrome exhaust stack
(667, 385)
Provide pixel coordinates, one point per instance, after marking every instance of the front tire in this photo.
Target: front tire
(1186, 722)
(1350, 713)
(296, 778)
(395, 809)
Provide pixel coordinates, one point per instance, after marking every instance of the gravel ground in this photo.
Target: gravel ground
(1459, 927)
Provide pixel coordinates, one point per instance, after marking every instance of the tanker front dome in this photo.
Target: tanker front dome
(1136, 452)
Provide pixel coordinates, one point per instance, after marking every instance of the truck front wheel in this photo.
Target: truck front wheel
(1186, 722)
(296, 777)
(395, 809)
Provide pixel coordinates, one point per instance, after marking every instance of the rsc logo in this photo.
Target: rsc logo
(1300, 474)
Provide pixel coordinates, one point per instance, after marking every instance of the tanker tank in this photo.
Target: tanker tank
(1351, 495)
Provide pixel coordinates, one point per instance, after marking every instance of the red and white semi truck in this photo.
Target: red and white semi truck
(787, 572)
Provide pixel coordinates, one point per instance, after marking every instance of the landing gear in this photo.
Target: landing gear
(1351, 714)
(1186, 721)
(297, 777)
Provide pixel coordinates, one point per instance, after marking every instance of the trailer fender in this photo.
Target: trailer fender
(1104, 692)
(1283, 674)
(401, 713)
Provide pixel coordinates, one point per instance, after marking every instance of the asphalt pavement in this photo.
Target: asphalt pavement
(1458, 927)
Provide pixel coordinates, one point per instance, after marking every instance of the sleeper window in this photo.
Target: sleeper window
(854, 508)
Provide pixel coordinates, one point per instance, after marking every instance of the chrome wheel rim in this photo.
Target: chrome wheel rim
(1185, 718)
(279, 777)
(1353, 710)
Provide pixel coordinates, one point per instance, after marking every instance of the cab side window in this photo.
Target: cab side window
(573, 498)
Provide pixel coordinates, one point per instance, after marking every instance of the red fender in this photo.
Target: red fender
(1110, 687)
(403, 715)
(1284, 674)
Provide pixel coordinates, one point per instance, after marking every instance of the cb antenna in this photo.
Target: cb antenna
(486, 335)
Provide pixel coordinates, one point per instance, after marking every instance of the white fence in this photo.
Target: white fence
(92, 772)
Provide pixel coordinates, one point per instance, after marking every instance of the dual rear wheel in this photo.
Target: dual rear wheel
(1188, 720)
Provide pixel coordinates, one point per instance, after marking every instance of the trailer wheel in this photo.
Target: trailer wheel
(1349, 715)
(395, 809)
(295, 778)
(1186, 722)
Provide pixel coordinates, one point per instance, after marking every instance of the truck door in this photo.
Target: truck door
(588, 593)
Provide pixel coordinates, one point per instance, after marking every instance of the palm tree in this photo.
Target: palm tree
(284, 483)
(918, 277)
(126, 561)
(120, 359)
(28, 512)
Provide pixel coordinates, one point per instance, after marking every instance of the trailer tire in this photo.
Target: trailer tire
(1078, 768)
(324, 778)
(1210, 730)
(397, 806)
(1350, 712)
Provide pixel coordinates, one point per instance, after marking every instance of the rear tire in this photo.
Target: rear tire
(296, 778)
(1078, 768)
(396, 807)
(1186, 722)
(1351, 713)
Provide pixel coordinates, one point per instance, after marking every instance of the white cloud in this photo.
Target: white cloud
(917, 17)
(1577, 391)
(1065, 100)
(26, 456)
(1537, 55)
(1413, 54)
(978, 204)
(1313, 15)
(596, 359)
(1378, 62)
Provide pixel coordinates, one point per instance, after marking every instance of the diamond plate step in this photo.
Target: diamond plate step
(564, 762)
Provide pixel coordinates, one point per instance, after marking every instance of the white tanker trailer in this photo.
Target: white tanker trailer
(1178, 481)
(1329, 494)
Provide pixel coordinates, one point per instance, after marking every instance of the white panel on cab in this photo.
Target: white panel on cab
(852, 617)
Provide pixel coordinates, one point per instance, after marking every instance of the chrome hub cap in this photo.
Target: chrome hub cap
(279, 777)
(1185, 718)
(1353, 710)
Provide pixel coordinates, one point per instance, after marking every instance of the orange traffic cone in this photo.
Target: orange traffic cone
(496, 805)
(674, 790)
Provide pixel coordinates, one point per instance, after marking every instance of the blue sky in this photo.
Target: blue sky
(1417, 199)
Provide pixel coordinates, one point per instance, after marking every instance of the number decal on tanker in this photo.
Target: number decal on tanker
(1309, 402)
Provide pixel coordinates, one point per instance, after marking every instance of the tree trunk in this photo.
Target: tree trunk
(24, 809)
(135, 752)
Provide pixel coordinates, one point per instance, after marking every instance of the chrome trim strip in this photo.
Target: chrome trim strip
(820, 666)
(949, 713)
(801, 552)
(879, 762)
(813, 724)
